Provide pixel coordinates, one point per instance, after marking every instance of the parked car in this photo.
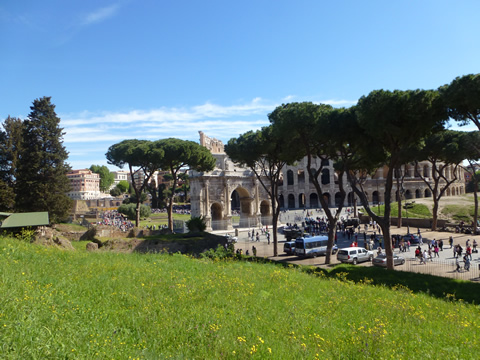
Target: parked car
(292, 233)
(352, 222)
(414, 239)
(231, 239)
(381, 260)
(354, 255)
(289, 248)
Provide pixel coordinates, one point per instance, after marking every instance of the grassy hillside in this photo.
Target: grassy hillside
(415, 210)
(78, 305)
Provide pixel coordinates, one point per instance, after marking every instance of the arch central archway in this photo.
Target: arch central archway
(265, 213)
(244, 206)
(216, 212)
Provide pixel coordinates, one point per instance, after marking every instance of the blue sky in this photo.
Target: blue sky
(150, 69)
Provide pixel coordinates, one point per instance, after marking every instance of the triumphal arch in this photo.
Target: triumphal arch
(228, 194)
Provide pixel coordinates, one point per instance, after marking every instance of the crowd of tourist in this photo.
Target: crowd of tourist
(176, 210)
(116, 219)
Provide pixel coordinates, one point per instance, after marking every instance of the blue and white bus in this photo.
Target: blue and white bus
(313, 246)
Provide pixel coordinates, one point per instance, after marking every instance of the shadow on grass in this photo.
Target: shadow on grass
(189, 243)
(439, 287)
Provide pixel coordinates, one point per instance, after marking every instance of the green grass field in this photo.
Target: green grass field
(414, 210)
(162, 219)
(459, 212)
(104, 305)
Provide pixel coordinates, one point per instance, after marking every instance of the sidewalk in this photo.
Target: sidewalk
(441, 266)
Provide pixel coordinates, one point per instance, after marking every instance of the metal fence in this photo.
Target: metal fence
(445, 268)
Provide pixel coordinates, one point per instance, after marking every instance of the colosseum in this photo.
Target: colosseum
(231, 190)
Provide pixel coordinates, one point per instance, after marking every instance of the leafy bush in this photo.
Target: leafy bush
(219, 253)
(27, 235)
(196, 223)
(129, 210)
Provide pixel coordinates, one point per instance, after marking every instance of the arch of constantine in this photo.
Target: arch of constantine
(230, 190)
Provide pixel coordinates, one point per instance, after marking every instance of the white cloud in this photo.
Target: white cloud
(288, 98)
(338, 102)
(100, 15)
(88, 135)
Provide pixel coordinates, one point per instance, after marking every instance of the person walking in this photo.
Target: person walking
(450, 240)
(467, 262)
(423, 257)
(468, 252)
(457, 263)
(254, 251)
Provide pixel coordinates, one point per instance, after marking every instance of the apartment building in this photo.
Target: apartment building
(85, 184)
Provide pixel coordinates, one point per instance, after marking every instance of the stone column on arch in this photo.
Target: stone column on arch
(257, 212)
(228, 205)
(208, 217)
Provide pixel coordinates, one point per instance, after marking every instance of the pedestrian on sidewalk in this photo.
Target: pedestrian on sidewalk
(450, 240)
(425, 256)
(254, 251)
(468, 252)
(436, 249)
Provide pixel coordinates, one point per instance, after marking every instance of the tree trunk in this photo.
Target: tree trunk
(434, 214)
(475, 215)
(331, 239)
(170, 202)
(387, 241)
(399, 203)
(276, 213)
(170, 213)
(385, 225)
(137, 213)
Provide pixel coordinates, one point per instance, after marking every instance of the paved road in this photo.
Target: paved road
(442, 266)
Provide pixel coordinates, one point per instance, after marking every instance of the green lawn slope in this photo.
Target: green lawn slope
(105, 305)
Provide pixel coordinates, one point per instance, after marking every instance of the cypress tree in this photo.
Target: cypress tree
(41, 183)
(10, 144)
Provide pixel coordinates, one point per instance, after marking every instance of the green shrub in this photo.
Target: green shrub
(129, 210)
(219, 253)
(196, 223)
(26, 235)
